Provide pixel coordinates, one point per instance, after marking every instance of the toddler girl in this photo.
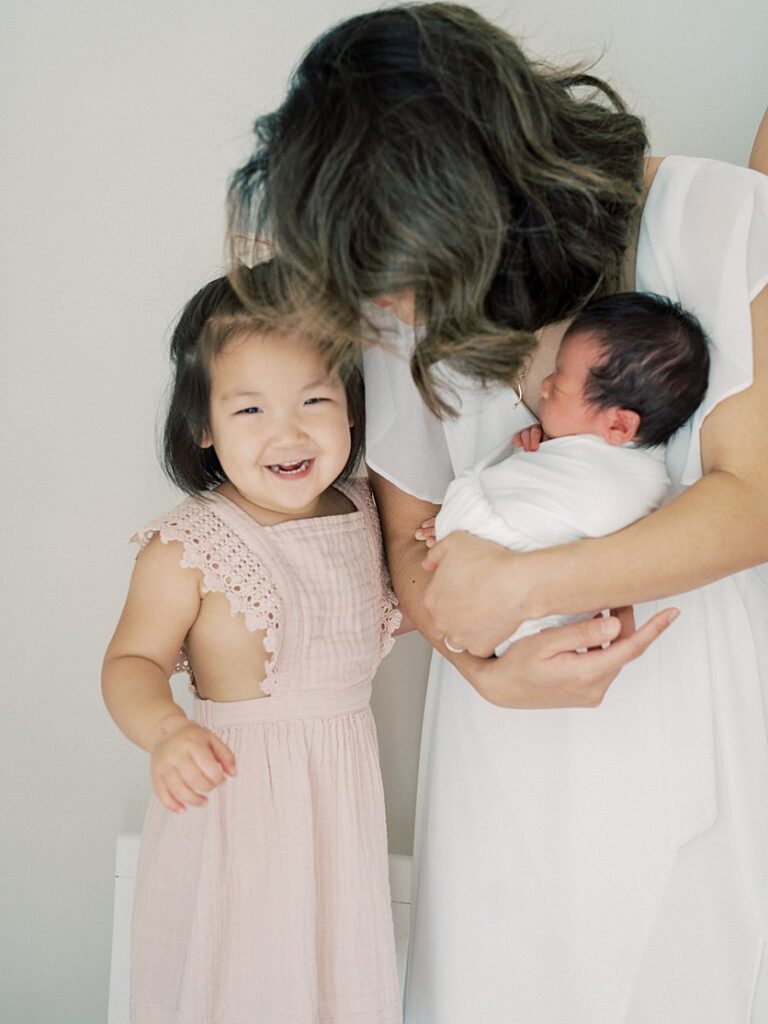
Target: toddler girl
(262, 890)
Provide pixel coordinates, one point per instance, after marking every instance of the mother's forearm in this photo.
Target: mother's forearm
(410, 581)
(401, 515)
(717, 527)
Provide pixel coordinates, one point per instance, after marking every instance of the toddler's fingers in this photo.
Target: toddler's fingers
(182, 791)
(223, 755)
(165, 798)
(206, 760)
(201, 780)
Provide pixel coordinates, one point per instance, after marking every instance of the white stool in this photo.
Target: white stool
(125, 875)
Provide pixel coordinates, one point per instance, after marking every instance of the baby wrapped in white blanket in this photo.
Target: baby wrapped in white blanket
(630, 371)
(570, 488)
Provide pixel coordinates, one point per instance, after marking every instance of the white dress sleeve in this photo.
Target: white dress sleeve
(404, 441)
(704, 242)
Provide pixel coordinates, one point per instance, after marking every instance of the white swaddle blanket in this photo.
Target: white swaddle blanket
(571, 488)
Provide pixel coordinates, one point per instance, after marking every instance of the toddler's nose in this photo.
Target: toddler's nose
(288, 432)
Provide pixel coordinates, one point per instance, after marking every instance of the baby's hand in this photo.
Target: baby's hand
(188, 762)
(426, 532)
(530, 438)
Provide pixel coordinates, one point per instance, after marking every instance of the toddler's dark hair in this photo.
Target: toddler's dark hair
(655, 360)
(210, 319)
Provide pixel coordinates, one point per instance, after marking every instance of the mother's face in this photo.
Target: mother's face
(402, 304)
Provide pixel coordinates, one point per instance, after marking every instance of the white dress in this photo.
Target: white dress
(605, 866)
(571, 488)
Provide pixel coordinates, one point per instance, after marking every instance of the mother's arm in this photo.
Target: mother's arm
(716, 527)
(541, 671)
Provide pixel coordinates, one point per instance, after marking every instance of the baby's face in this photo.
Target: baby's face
(563, 408)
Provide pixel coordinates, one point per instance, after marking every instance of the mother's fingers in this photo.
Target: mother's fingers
(627, 648)
(434, 556)
(593, 671)
(579, 635)
(626, 616)
(596, 669)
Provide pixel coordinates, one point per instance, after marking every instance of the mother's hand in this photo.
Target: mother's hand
(545, 670)
(470, 597)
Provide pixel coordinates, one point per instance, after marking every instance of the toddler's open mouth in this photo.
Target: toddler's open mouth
(292, 468)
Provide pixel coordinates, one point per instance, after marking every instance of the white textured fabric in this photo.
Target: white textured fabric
(571, 488)
(606, 866)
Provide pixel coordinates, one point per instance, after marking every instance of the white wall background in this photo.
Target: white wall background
(120, 125)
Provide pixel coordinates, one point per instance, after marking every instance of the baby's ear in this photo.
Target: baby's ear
(622, 426)
(205, 440)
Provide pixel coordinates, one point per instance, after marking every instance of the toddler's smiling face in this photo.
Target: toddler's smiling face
(279, 422)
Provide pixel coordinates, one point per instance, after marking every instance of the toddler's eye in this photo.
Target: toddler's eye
(315, 401)
(249, 411)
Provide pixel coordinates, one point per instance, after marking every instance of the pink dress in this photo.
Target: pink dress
(271, 904)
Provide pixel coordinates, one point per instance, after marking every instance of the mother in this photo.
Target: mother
(572, 866)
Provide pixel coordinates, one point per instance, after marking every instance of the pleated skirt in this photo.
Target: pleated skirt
(271, 903)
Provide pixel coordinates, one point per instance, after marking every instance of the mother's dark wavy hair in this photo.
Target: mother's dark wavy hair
(419, 148)
(211, 318)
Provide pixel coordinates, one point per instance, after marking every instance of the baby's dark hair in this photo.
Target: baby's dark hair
(655, 360)
(210, 319)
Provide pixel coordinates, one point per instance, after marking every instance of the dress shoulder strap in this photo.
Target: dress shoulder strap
(228, 565)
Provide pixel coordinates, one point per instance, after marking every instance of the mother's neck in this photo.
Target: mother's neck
(629, 266)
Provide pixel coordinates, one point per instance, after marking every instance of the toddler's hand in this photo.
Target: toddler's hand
(426, 532)
(530, 438)
(188, 762)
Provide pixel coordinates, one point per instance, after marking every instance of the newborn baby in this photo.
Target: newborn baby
(629, 372)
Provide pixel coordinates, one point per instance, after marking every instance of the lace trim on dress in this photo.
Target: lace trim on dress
(391, 617)
(228, 567)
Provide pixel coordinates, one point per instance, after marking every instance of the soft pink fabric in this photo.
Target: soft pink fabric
(271, 904)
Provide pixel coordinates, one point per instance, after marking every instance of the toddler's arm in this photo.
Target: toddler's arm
(187, 761)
